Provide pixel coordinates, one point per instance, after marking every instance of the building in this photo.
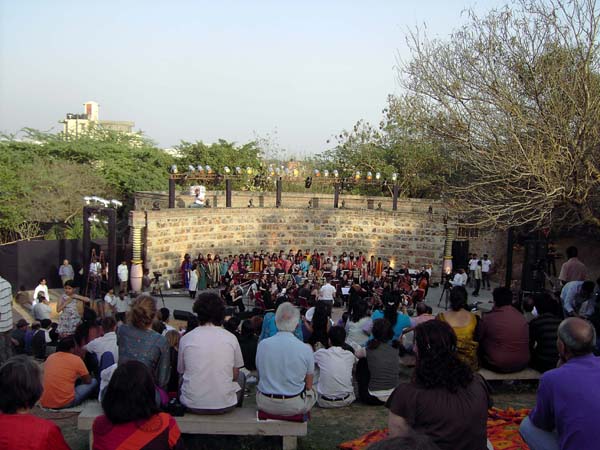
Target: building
(75, 125)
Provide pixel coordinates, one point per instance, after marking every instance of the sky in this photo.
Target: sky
(294, 72)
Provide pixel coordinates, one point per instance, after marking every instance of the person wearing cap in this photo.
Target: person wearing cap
(18, 336)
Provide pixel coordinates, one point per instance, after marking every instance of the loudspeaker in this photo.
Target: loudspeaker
(533, 278)
(179, 314)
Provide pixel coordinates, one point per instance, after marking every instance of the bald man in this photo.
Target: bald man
(568, 399)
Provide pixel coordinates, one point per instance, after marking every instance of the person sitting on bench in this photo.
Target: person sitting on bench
(285, 367)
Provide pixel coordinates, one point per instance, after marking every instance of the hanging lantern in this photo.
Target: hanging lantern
(378, 176)
(369, 176)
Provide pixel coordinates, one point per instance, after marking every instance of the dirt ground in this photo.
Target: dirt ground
(326, 430)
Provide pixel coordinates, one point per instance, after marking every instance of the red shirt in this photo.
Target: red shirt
(28, 432)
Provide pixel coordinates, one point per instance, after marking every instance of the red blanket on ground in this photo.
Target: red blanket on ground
(502, 431)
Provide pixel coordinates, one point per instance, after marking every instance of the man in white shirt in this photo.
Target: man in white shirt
(123, 274)
(42, 310)
(472, 268)
(327, 294)
(460, 278)
(209, 361)
(164, 314)
(334, 388)
(106, 343)
(41, 287)
(486, 264)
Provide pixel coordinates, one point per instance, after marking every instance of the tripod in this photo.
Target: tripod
(445, 295)
(156, 289)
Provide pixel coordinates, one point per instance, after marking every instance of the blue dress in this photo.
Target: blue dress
(402, 322)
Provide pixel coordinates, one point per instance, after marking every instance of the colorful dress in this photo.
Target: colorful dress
(69, 318)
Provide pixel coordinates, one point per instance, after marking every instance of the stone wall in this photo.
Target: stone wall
(398, 236)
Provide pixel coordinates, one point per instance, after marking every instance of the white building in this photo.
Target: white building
(74, 125)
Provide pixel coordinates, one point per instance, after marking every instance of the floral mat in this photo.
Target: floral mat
(502, 431)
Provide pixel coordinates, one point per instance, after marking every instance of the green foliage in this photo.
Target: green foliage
(44, 177)
(400, 145)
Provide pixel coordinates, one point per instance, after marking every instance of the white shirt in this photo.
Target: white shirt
(40, 288)
(123, 272)
(327, 292)
(335, 367)
(207, 357)
(110, 299)
(167, 328)
(465, 278)
(102, 344)
(42, 311)
(122, 306)
(458, 280)
(193, 280)
(485, 265)
(473, 264)
(95, 268)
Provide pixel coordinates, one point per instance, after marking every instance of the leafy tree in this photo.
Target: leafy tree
(401, 145)
(517, 94)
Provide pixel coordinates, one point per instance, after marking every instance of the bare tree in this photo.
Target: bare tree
(517, 93)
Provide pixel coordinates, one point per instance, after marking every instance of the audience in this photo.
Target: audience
(209, 362)
(445, 400)
(464, 323)
(285, 367)
(61, 371)
(137, 341)
(543, 333)
(358, 324)
(377, 371)
(568, 399)
(504, 335)
(398, 320)
(574, 294)
(334, 388)
(106, 342)
(131, 417)
(42, 310)
(21, 387)
(17, 336)
(248, 341)
(173, 338)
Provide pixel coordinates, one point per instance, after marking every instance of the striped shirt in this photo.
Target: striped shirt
(6, 319)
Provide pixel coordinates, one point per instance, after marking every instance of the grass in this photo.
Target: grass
(326, 430)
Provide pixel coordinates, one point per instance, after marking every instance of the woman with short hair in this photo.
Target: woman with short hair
(138, 341)
(445, 400)
(21, 388)
(131, 417)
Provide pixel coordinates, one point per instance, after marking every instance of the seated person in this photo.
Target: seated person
(41, 338)
(131, 416)
(543, 332)
(285, 367)
(445, 400)
(61, 371)
(42, 310)
(107, 342)
(568, 399)
(464, 323)
(17, 336)
(248, 341)
(335, 389)
(377, 371)
(504, 335)
(164, 315)
(209, 361)
(21, 387)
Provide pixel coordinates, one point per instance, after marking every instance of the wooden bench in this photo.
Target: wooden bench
(239, 422)
(525, 374)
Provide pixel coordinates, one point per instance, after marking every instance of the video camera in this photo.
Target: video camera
(157, 275)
